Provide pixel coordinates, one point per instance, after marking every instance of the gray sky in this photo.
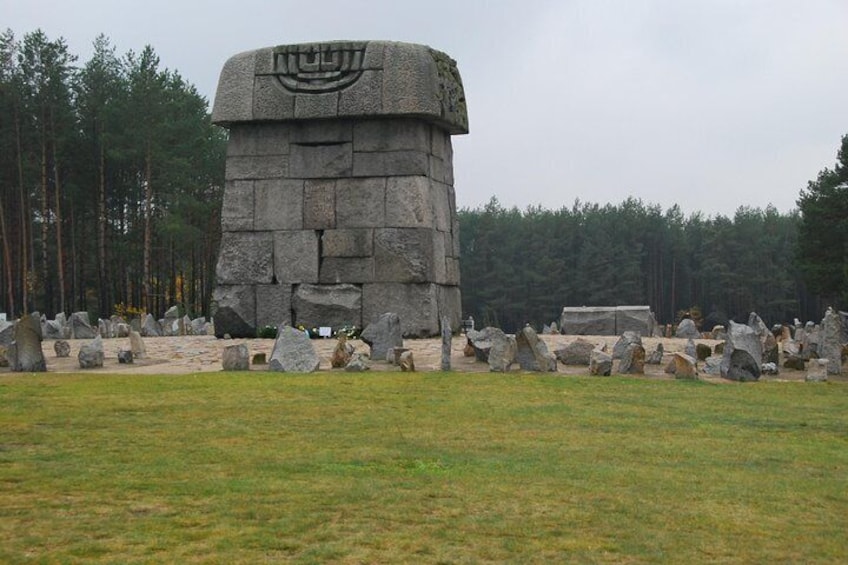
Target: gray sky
(710, 104)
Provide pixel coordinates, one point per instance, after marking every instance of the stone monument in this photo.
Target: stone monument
(339, 202)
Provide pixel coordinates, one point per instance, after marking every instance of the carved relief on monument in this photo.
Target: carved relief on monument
(318, 67)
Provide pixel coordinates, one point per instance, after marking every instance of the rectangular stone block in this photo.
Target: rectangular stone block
(271, 101)
(440, 273)
(442, 210)
(321, 161)
(231, 103)
(258, 139)
(327, 305)
(347, 243)
(408, 83)
(234, 309)
(273, 305)
(437, 169)
(364, 97)
(321, 132)
(440, 143)
(373, 56)
(245, 258)
(408, 202)
(237, 206)
(391, 135)
(450, 304)
(296, 256)
(336, 270)
(319, 204)
(257, 167)
(453, 272)
(311, 105)
(417, 305)
(278, 205)
(391, 163)
(404, 255)
(361, 203)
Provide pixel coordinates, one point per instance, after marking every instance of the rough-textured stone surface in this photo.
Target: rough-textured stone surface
(632, 360)
(406, 362)
(830, 346)
(600, 363)
(743, 354)
(756, 323)
(502, 352)
(342, 353)
(339, 171)
(588, 321)
(531, 352)
(684, 366)
(690, 349)
(578, 352)
(420, 306)
(687, 329)
(50, 329)
(91, 354)
(626, 339)
(383, 334)
(655, 357)
(235, 310)
(62, 348)
(24, 353)
(7, 332)
(712, 365)
(771, 351)
(293, 352)
(137, 345)
(327, 305)
(125, 357)
(356, 364)
(236, 358)
(719, 332)
(447, 336)
(480, 342)
(607, 320)
(104, 327)
(80, 326)
(151, 327)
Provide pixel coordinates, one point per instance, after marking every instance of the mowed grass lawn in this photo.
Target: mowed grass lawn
(426, 467)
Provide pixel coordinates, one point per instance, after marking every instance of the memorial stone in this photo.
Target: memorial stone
(339, 178)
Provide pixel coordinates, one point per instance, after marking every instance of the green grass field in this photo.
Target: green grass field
(426, 467)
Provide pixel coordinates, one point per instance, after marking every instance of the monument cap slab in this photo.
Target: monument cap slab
(342, 79)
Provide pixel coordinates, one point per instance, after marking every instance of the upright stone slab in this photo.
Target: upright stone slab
(24, 353)
(339, 174)
(830, 346)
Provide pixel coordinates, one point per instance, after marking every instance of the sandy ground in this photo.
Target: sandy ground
(193, 354)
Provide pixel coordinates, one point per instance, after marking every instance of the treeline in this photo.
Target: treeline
(111, 176)
(522, 267)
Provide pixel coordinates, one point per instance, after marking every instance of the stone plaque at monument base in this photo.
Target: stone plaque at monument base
(339, 202)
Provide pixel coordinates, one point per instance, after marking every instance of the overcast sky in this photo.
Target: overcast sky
(710, 104)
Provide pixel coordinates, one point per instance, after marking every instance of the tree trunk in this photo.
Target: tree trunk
(26, 232)
(60, 260)
(148, 211)
(47, 302)
(103, 277)
(7, 262)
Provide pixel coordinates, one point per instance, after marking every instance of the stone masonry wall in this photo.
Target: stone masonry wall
(339, 202)
(336, 222)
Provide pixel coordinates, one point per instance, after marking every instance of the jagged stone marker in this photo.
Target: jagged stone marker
(339, 185)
